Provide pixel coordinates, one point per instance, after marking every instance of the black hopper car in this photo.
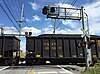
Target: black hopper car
(9, 50)
(59, 49)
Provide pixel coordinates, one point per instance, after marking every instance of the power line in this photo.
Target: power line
(19, 6)
(14, 6)
(72, 4)
(10, 12)
(8, 17)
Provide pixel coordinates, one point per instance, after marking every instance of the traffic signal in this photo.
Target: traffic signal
(28, 33)
(45, 10)
(81, 44)
(90, 43)
(52, 9)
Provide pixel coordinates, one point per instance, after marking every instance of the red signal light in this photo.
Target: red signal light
(81, 44)
(45, 10)
(26, 33)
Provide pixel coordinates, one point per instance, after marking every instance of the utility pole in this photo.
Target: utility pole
(20, 24)
(21, 21)
(86, 38)
(54, 26)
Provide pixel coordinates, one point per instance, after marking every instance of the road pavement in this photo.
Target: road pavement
(42, 69)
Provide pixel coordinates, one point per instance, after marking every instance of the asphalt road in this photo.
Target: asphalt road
(42, 69)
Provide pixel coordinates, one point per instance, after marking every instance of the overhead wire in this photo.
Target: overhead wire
(18, 5)
(15, 8)
(10, 12)
(72, 4)
(58, 19)
(9, 17)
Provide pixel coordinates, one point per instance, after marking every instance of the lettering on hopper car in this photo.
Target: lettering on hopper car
(53, 44)
(60, 48)
(98, 42)
(46, 48)
(53, 48)
(46, 44)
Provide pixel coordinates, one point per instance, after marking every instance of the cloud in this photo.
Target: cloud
(71, 24)
(50, 29)
(34, 30)
(69, 12)
(9, 30)
(12, 30)
(34, 6)
(28, 20)
(36, 18)
(93, 11)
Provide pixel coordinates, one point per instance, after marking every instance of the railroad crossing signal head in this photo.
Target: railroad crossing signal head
(45, 10)
(81, 44)
(28, 33)
(90, 43)
(52, 9)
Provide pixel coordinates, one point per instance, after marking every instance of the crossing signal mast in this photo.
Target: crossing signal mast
(57, 12)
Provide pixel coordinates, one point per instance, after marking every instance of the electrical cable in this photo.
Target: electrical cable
(9, 17)
(10, 12)
(14, 6)
(72, 4)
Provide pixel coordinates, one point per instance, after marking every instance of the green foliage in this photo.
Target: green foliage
(22, 54)
(93, 70)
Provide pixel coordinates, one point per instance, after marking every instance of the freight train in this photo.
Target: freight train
(54, 48)
(9, 50)
(59, 49)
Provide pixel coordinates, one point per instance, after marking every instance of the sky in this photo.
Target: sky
(38, 24)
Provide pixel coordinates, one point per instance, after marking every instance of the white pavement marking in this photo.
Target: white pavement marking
(4, 68)
(65, 70)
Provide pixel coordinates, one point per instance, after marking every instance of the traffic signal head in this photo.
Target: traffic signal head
(90, 43)
(45, 10)
(81, 44)
(30, 33)
(26, 33)
(52, 9)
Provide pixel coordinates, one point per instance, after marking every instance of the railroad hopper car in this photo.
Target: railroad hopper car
(59, 49)
(9, 50)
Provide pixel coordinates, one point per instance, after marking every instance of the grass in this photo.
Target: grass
(93, 70)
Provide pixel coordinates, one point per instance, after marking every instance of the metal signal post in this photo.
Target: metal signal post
(57, 12)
